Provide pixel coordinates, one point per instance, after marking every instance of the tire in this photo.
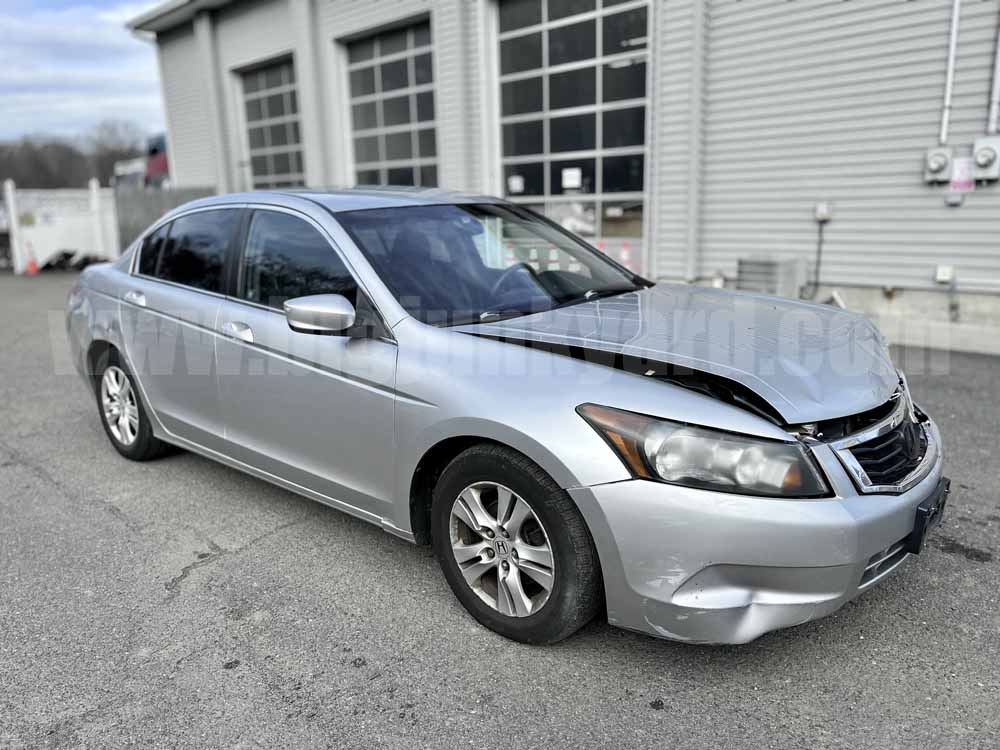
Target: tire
(520, 608)
(136, 443)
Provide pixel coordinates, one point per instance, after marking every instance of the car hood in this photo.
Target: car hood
(810, 362)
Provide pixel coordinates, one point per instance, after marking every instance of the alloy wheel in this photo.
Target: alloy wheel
(121, 411)
(502, 549)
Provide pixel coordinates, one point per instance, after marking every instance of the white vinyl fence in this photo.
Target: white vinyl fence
(44, 223)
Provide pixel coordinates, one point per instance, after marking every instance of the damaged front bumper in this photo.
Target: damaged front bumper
(710, 567)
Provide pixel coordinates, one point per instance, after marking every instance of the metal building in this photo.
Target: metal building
(683, 137)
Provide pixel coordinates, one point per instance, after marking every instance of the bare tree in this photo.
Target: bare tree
(39, 162)
(111, 141)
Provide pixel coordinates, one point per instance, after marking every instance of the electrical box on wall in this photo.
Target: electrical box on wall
(938, 164)
(986, 156)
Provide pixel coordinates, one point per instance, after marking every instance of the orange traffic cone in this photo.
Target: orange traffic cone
(32, 268)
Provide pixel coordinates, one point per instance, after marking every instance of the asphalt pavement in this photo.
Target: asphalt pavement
(180, 603)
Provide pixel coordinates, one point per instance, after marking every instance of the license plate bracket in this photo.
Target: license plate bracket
(929, 514)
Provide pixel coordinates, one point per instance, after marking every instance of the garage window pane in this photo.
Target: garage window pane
(523, 138)
(396, 111)
(625, 32)
(401, 176)
(399, 146)
(363, 81)
(524, 179)
(574, 88)
(573, 176)
(395, 75)
(571, 43)
(624, 127)
(364, 116)
(562, 8)
(428, 143)
(624, 80)
(576, 133)
(623, 174)
(366, 149)
(516, 14)
(422, 69)
(521, 96)
(521, 53)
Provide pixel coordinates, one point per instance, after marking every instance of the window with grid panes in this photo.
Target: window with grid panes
(392, 107)
(573, 105)
(272, 115)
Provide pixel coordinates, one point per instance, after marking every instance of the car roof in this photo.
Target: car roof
(337, 200)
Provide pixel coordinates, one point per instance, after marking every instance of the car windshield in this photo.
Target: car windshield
(455, 264)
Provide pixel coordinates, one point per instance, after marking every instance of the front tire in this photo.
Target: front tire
(123, 415)
(513, 546)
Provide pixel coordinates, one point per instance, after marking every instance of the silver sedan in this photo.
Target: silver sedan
(703, 465)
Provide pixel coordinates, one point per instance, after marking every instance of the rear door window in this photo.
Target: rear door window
(286, 257)
(194, 253)
(149, 255)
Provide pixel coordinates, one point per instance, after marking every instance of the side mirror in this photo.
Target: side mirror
(319, 313)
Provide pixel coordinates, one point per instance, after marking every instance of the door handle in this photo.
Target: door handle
(238, 330)
(135, 298)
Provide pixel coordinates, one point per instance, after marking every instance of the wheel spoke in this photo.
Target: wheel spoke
(506, 500)
(529, 553)
(518, 515)
(476, 570)
(511, 599)
(541, 576)
(469, 509)
(466, 552)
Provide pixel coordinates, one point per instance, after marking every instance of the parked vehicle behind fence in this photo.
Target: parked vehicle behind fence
(705, 465)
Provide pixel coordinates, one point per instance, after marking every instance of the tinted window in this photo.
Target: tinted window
(195, 251)
(286, 258)
(150, 253)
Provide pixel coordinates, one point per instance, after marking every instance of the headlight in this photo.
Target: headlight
(706, 459)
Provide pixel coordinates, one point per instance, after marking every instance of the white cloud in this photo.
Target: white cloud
(64, 69)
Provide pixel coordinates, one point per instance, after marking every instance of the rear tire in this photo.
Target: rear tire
(529, 571)
(122, 412)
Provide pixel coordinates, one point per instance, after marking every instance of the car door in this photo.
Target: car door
(168, 314)
(314, 410)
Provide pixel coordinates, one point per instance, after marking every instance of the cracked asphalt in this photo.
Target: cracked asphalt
(182, 604)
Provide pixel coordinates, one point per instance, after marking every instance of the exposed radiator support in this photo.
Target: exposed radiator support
(949, 84)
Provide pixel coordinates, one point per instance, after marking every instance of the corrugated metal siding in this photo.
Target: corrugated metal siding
(192, 161)
(828, 100)
(670, 92)
(247, 34)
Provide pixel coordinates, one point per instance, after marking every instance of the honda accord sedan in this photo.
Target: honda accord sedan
(699, 464)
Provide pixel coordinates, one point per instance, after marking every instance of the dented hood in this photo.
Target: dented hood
(810, 362)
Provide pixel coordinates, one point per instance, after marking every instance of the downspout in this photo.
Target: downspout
(949, 84)
(994, 116)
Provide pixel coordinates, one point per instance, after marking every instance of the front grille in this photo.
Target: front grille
(888, 459)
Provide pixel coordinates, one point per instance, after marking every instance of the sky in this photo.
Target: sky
(65, 65)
